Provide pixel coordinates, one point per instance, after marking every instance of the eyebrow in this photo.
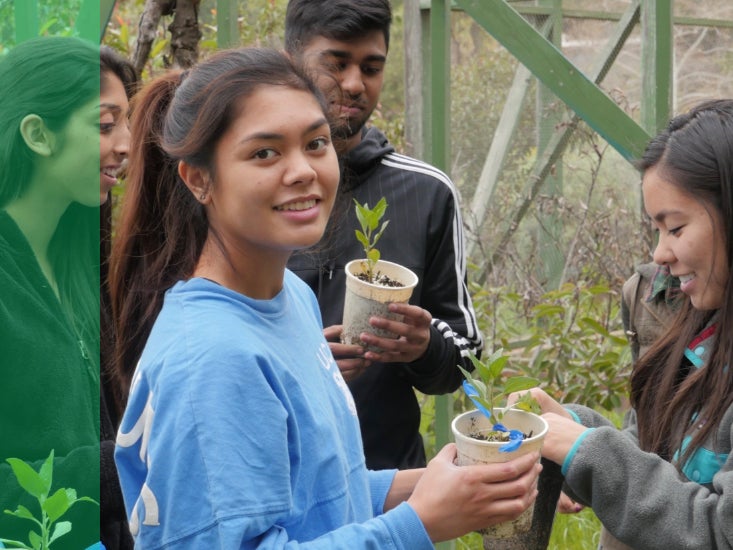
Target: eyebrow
(665, 213)
(272, 136)
(342, 54)
(110, 106)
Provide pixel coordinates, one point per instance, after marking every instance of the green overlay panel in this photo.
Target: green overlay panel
(50, 199)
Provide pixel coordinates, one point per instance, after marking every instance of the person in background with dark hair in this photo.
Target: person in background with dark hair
(344, 45)
(118, 83)
(52, 183)
(239, 431)
(666, 480)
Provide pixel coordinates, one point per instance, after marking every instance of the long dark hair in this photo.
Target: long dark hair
(53, 77)
(694, 153)
(110, 63)
(178, 116)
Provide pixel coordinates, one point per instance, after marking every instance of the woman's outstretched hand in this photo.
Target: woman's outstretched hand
(547, 403)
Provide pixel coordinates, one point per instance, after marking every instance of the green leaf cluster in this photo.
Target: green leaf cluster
(571, 338)
(52, 507)
(368, 236)
(487, 378)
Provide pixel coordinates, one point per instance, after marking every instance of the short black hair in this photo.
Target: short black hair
(334, 19)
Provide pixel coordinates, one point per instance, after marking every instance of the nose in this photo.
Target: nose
(299, 170)
(663, 252)
(352, 82)
(122, 141)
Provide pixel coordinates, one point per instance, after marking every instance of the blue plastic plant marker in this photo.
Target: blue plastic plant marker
(469, 389)
(471, 393)
(516, 434)
(500, 428)
(515, 441)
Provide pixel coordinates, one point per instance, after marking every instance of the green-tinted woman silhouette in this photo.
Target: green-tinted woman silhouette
(51, 186)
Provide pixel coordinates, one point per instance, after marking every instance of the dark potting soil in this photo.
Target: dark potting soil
(379, 279)
(495, 435)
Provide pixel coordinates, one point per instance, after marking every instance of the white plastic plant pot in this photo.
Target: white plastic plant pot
(477, 451)
(364, 300)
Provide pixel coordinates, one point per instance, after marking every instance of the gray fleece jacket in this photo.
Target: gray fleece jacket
(641, 498)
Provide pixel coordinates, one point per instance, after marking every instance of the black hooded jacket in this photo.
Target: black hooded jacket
(425, 234)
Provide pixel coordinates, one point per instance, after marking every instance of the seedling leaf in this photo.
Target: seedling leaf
(28, 478)
(61, 528)
(57, 504)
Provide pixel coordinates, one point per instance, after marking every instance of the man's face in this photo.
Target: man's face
(350, 75)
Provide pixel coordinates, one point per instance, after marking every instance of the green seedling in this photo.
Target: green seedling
(368, 236)
(490, 389)
(52, 507)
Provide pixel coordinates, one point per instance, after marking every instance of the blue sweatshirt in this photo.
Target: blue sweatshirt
(241, 433)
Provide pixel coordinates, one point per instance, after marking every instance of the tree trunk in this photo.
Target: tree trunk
(185, 33)
(149, 20)
(184, 29)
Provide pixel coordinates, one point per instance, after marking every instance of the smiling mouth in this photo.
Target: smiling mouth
(111, 172)
(296, 206)
(686, 278)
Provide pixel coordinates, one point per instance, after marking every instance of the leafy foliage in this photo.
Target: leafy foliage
(52, 508)
(486, 379)
(368, 236)
(571, 339)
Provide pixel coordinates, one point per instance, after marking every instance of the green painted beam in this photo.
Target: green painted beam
(612, 16)
(425, 83)
(498, 150)
(88, 21)
(26, 20)
(549, 269)
(703, 22)
(559, 140)
(106, 8)
(439, 144)
(439, 154)
(656, 64)
(569, 13)
(227, 28)
(549, 65)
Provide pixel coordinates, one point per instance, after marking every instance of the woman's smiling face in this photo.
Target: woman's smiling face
(275, 175)
(114, 131)
(691, 239)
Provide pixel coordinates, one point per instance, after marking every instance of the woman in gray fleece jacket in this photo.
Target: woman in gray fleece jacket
(666, 480)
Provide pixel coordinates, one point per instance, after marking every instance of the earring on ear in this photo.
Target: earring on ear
(202, 196)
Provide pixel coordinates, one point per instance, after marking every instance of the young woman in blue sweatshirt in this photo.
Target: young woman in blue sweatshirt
(239, 430)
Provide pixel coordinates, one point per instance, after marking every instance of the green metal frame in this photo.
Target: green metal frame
(227, 27)
(558, 74)
(559, 77)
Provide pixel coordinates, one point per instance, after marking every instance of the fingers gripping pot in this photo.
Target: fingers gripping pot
(364, 299)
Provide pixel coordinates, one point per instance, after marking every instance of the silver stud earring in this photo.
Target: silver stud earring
(202, 196)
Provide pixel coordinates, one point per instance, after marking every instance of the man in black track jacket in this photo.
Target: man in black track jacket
(344, 44)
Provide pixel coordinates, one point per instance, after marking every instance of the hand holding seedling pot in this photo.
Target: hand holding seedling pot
(371, 283)
(491, 434)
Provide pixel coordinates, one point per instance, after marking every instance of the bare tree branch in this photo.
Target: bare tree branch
(152, 12)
